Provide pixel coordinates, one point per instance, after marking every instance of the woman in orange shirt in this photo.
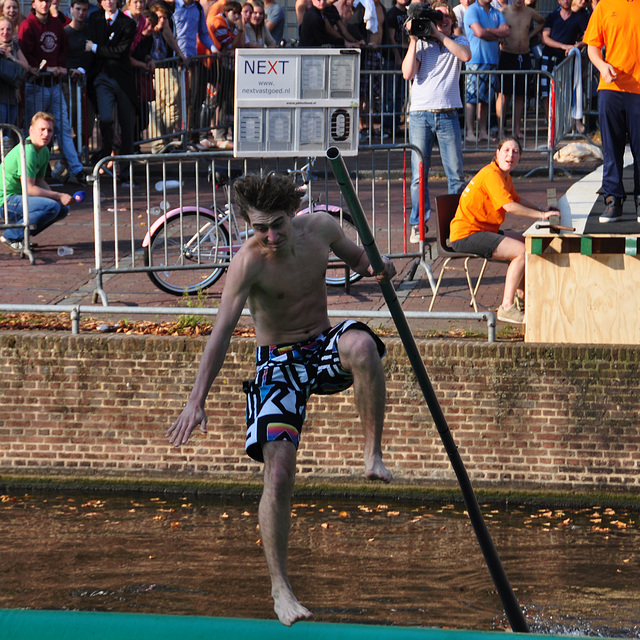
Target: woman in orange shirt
(476, 226)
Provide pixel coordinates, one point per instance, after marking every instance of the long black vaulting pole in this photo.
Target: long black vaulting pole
(509, 602)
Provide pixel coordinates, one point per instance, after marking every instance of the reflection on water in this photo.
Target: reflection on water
(574, 571)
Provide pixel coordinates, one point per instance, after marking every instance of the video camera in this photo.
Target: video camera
(421, 16)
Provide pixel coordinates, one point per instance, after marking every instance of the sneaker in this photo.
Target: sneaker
(415, 233)
(14, 245)
(613, 210)
(519, 302)
(79, 178)
(512, 314)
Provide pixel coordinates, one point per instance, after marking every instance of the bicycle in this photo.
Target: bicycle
(189, 239)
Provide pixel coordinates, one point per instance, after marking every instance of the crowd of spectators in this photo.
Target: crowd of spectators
(127, 61)
(130, 59)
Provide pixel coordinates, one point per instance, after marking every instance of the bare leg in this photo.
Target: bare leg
(518, 110)
(359, 355)
(470, 111)
(483, 121)
(511, 248)
(274, 514)
(501, 103)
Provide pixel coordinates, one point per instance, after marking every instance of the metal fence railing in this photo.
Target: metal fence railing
(182, 106)
(9, 218)
(385, 98)
(77, 311)
(133, 234)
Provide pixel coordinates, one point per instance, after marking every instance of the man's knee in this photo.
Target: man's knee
(358, 350)
(279, 466)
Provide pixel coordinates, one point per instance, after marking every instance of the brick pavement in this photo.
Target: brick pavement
(67, 280)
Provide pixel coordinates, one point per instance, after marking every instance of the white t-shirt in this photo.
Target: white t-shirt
(459, 11)
(437, 83)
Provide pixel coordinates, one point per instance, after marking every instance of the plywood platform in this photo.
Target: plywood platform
(582, 288)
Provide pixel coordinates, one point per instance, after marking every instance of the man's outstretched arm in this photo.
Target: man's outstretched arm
(234, 297)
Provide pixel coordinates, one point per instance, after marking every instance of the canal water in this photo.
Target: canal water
(573, 571)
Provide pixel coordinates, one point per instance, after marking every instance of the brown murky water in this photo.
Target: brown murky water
(573, 570)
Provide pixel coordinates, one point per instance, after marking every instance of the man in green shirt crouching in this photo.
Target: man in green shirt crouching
(45, 206)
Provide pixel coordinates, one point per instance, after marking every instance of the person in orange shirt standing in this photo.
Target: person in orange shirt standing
(482, 209)
(615, 26)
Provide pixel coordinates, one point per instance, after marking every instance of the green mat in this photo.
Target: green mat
(88, 625)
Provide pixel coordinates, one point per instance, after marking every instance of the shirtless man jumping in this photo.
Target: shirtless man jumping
(280, 272)
(514, 56)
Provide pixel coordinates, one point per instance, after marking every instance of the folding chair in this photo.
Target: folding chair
(445, 211)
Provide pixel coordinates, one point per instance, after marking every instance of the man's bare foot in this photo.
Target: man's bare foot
(378, 472)
(288, 609)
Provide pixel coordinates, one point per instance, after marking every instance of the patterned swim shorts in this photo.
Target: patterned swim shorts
(286, 376)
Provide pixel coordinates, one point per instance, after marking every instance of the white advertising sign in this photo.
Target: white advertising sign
(296, 102)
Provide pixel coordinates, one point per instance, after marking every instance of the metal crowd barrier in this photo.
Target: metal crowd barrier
(76, 311)
(184, 181)
(161, 120)
(537, 136)
(384, 96)
(6, 144)
(566, 75)
(81, 114)
(179, 105)
(385, 102)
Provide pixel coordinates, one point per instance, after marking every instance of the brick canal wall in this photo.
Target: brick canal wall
(523, 416)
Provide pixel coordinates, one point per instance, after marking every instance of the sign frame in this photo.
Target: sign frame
(296, 102)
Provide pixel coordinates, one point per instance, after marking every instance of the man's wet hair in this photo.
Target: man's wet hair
(268, 194)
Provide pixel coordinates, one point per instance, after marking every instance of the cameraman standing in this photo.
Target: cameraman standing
(433, 62)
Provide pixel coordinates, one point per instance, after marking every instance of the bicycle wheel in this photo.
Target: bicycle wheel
(196, 238)
(336, 275)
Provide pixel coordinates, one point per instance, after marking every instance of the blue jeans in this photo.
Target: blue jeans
(43, 212)
(424, 126)
(8, 114)
(51, 99)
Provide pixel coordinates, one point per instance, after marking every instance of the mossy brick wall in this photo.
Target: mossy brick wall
(523, 416)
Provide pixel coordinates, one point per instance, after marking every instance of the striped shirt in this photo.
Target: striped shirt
(437, 83)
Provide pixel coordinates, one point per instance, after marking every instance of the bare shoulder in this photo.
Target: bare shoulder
(320, 225)
(247, 265)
